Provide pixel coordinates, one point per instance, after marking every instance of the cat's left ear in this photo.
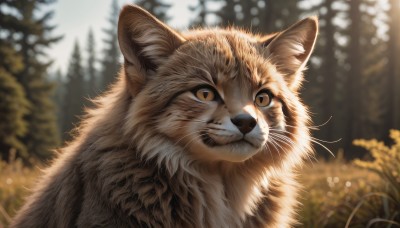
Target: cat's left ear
(145, 43)
(290, 50)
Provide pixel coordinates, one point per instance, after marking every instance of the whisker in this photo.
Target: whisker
(284, 139)
(330, 142)
(289, 142)
(312, 139)
(315, 127)
(323, 146)
(270, 152)
(274, 144)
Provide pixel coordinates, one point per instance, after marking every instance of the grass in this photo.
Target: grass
(331, 190)
(357, 194)
(336, 193)
(15, 181)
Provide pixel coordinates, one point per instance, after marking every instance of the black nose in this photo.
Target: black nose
(244, 122)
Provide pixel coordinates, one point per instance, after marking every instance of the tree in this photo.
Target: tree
(353, 105)
(322, 90)
(13, 108)
(91, 70)
(329, 69)
(201, 11)
(374, 100)
(227, 14)
(31, 36)
(263, 16)
(74, 94)
(394, 65)
(344, 81)
(13, 104)
(58, 98)
(156, 7)
(111, 54)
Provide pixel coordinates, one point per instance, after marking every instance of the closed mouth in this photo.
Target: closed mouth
(207, 140)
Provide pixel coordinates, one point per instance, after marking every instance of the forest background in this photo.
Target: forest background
(352, 83)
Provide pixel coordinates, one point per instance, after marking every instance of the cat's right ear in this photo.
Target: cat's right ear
(145, 43)
(290, 49)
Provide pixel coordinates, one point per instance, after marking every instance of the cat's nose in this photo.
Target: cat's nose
(244, 122)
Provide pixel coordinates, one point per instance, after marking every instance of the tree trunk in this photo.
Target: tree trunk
(393, 120)
(329, 68)
(353, 102)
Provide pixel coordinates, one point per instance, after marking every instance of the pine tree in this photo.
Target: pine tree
(91, 70)
(264, 16)
(374, 100)
(227, 14)
(344, 81)
(353, 84)
(13, 108)
(319, 87)
(58, 98)
(111, 57)
(156, 7)
(74, 94)
(322, 78)
(31, 34)
(364, 105)
(201, 11)
(13, 104)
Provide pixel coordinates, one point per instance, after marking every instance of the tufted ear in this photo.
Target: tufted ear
(145, 43)
(290, 50)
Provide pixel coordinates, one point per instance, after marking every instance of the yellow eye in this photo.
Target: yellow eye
(205, 94)
(263, 99)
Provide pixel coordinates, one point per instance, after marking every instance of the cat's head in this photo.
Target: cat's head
(221, 94)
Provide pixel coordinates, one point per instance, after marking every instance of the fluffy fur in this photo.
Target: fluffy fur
(152, 154)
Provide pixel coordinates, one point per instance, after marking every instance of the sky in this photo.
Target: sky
(74, 18)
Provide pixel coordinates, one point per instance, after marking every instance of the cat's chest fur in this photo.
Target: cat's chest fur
(145, 194)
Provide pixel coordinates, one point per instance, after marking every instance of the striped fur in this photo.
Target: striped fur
(140, 159)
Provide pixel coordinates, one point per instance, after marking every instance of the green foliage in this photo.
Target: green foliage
(58, 99)
(13, 104)
(13, 108)
(74, 94)
(110, 62)
(92, 84)
(26, 31)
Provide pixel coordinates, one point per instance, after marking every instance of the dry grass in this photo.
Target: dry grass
(331, 190)
(15, 181)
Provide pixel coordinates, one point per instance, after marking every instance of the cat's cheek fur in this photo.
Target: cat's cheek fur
(183, 121)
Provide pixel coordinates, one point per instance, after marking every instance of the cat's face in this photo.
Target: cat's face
(222, 97)
(219, 94)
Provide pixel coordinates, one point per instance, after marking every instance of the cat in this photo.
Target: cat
(201, 129)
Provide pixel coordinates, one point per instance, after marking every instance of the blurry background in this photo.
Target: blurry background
(54, 55)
